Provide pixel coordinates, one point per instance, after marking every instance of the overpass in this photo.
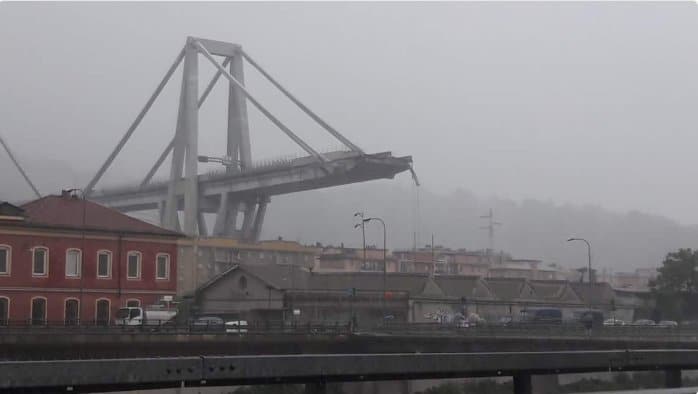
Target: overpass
(30, 343)
(102, 359)
(315, 370)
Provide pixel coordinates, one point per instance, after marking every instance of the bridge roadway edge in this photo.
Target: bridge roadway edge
(115, 374)
(49, 345)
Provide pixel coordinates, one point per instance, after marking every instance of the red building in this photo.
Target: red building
(63, 259)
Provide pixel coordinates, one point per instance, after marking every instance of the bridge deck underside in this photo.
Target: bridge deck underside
(276, 181)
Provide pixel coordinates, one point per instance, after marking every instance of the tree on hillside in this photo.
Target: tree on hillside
(676, 287)
(677, 273)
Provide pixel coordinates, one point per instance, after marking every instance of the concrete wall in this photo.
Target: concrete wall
(242, 295)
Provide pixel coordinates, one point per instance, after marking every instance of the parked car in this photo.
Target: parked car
(668, 324)
(644, 322)
(542, 315)
(591, 318)
(236, 327)
(613, 322)
(208, 323)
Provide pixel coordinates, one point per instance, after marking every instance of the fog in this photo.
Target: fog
(569, 103)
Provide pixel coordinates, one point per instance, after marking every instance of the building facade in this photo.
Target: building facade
(203, 258)
(442, 261)
(67, 260)
(294, 294)
(341, 259)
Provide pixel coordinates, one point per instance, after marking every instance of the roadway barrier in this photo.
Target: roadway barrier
(268, 327)
(115, 374)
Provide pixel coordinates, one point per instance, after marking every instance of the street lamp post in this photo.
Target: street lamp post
(363, 233)
(227, 161)
(363, 260)
(385, 265)
(589, 267)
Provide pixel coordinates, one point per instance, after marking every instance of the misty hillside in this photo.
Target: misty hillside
(530, 229)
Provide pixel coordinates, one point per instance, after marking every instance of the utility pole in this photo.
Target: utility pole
(363, 233)
(433, 262)
(491, 223)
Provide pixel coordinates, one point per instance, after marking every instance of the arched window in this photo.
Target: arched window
(242, 283)
(38, 311)
(134, 303)
(104, 264)
(4, 311)
(162, 266)
(40, 261)
(73, 261)
(71, 312)
(133, 268)
(5, 259)
(102, 312)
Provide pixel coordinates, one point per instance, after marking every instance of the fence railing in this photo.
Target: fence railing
(268, 327)
(563, 330)
(170, 327)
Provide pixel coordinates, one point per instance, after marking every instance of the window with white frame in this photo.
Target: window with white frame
(40, 261)
(133, 269)
(5, 256)
(104, 264)
(162, 266)
(73, 260)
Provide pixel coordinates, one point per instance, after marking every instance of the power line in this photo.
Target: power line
(491, 224)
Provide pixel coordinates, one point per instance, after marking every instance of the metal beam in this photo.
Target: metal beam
(259, 218)
(302, 106)
(169, 147)
(314, 368)
(19, 167)
(238, 146)
(259, 106)
(136, 122)
(191, 136)
(220, 48)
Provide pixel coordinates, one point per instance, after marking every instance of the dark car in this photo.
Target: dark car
(542, 315)
(591, 319)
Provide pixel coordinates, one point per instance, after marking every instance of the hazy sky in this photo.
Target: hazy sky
(588, 103)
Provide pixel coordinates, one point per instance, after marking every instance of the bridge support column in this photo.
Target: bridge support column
(672, 378)
(248, 219)
(259, 218)
(522, 384)
(316, 388)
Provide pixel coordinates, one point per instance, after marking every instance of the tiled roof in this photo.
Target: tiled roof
(599, 293)
(548, 289)
(69, 212)
(506, 288)
(7, 209)
(464, 286)
(370, 281)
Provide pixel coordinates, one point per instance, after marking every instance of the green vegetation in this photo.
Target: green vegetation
(676, 287)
